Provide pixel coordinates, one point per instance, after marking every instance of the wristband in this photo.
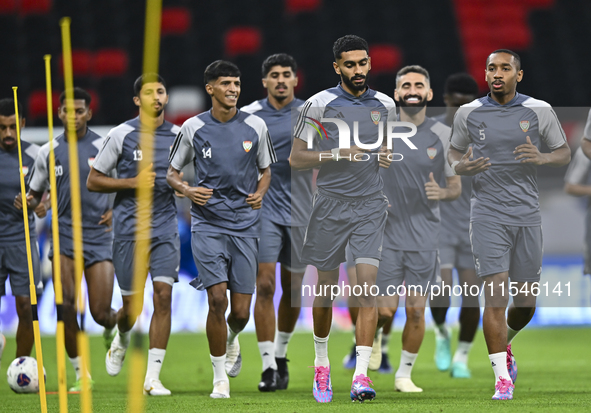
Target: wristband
(453, 166)
(335, 154)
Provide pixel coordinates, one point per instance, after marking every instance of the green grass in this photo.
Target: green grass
(553, 365)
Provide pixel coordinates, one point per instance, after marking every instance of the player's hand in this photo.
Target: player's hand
(255, 200)
(177, 193)
(354, 154)
(145, 178)
(18, 201)
(198, 194)
(384, 158)
(107, 219)
(469, 167)
(432, 189)
(41, 210)
(529, 153)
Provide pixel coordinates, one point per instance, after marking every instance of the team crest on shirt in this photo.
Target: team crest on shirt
(524, 125)
(247, 145)
(376, 116)
(431, 152)
(25, 170)
(90, 162)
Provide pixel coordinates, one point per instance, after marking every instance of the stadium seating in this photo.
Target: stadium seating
(445, 37)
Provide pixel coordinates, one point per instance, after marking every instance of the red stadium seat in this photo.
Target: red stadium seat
(243, 40)
(35, 6)
(175, 21)
(110, 62)
(37, 104)
(8, 6)
(302, 6)
(385, 58)
(82, 62)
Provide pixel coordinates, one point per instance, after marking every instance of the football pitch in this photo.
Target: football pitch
(554, 376)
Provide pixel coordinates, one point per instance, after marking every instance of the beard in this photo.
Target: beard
(349, 82)
(413, 108)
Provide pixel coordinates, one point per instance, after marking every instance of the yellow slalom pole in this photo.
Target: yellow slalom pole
(32, 286)
(82, 339)
(144, 212)
(60, 337)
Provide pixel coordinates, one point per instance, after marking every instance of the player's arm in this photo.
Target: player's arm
(302, 158)
(256, 200)
(529, 153)
(100, 182)
(577, 189)
(586, 146)
(197, 194)
(463, 163)
(33, 200)
(450, 192)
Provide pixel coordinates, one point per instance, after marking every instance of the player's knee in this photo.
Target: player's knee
(241, 316)
(23, 307)
(265, 286)
(385, 313)
(218, 302)
(162, 299)
(415, 315)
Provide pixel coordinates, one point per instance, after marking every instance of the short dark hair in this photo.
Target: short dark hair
(461, 83)
(79, 94)
(220, 68)
(348, 43)
(511, 52)
(279, 59)
(7, 108)
(147, 78)
(412, 69)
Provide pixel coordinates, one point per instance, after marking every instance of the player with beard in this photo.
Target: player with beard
(13, 261)
(283, 221)
(455, 250)
(410, 253)
(506, 130)
(349, 205)
(121, 153)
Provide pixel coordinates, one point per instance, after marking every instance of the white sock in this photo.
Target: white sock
(76, 363)
(219, 370)
(231, 335)
(498, 362)
(363, 355)
(511, 334)
(385, 342)
(267, 350)
(407, 361)
(441, 331)
(462, 352)
(122, 339)
(281, 341)
(155, 360)
(321, 350)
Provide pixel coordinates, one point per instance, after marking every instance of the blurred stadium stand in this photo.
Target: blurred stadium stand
(445, 36)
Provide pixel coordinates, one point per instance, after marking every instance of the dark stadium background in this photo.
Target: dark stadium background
(444, 36)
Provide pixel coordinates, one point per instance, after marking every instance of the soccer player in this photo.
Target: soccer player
(506, 130)
(349, 206)
(13, 255)
(455, 250)
(283, 223)
(578, 183)
(231, 152)
(410, 253)
(121, 153)
(96, 226)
